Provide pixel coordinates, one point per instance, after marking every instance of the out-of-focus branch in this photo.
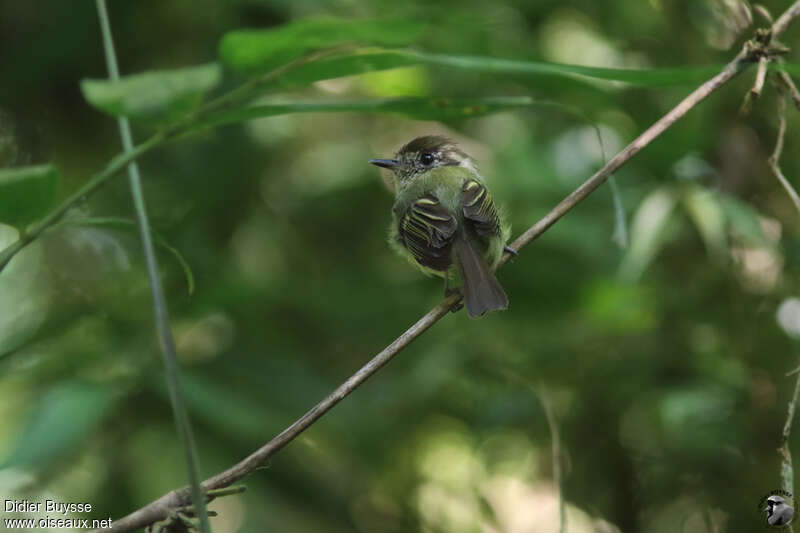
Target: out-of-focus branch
(791, 87)
(774, 159)
(785, 19)
(787, 471)
(555, 436)
(160, 314)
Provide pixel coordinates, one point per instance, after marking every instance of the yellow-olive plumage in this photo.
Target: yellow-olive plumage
(445, 220)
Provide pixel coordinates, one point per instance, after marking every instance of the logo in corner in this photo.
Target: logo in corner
(777, 508)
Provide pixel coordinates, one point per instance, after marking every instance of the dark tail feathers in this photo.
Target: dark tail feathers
(482, 291)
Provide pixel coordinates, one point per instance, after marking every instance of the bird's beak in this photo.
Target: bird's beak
(385, 163)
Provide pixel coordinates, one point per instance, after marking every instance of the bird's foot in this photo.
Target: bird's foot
(510, 250)
(460, 303)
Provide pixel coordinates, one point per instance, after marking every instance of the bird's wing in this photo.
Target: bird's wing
(479, 210)
(426, 230)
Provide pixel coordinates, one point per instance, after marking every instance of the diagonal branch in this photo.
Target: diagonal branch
(159, 508)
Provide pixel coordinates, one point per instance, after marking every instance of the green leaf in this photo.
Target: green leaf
(125, 224)
(156, 95)
(647, 232)
(60, 423)
(492, 65)
(368, 60)
(262, 50)
(26, 193)
(341, 66)
(743, 220)
(708, 216)
(420, 108)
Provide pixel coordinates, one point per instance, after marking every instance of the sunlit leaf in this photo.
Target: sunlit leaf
(647, 232)
(130, 225)
(60, 423)
(709, 218)
(153, 95)
(26, 193)
(346, 65)
(260, 50)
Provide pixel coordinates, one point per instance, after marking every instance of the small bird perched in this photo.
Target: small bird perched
(445, 220)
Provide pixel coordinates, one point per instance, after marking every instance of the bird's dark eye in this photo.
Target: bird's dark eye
(426, 159)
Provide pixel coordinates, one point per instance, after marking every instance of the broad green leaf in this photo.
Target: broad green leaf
(647, 232)
(492, 65)
(367, 60)
(124, 224)
(262, 50)
(156, 95)
(709, 218)
(26, 193)
(420, 108)
(60, 423)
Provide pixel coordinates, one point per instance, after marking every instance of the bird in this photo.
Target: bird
(779, 513)
(445, 222)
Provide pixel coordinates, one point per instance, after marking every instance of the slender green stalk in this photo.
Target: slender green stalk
(159, 304)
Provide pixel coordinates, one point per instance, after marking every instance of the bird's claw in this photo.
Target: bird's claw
(460, 303)
(510, 250)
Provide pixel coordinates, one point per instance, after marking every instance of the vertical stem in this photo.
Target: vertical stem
(166, 341)
(544, 398)
(787, 472)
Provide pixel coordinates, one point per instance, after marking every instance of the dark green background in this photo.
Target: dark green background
(668, 387)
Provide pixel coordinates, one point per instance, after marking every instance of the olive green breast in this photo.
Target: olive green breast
(444, 183)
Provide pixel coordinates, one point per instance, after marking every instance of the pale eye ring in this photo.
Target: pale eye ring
(426, 159)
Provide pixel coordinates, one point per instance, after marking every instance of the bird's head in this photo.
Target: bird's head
(424, 154)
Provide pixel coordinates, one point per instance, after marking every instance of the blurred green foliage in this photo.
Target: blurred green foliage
(664, 361)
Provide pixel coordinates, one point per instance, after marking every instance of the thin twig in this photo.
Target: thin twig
(785, 19)
(774, 160)
(787, 471)
(555, 435)
(764, 12)
(166, 341)
(790, 86)
(758, 85)
(159, 508)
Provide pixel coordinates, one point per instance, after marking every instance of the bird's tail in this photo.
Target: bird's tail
(482, 291)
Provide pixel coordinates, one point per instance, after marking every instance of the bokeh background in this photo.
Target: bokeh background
(663, 363)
